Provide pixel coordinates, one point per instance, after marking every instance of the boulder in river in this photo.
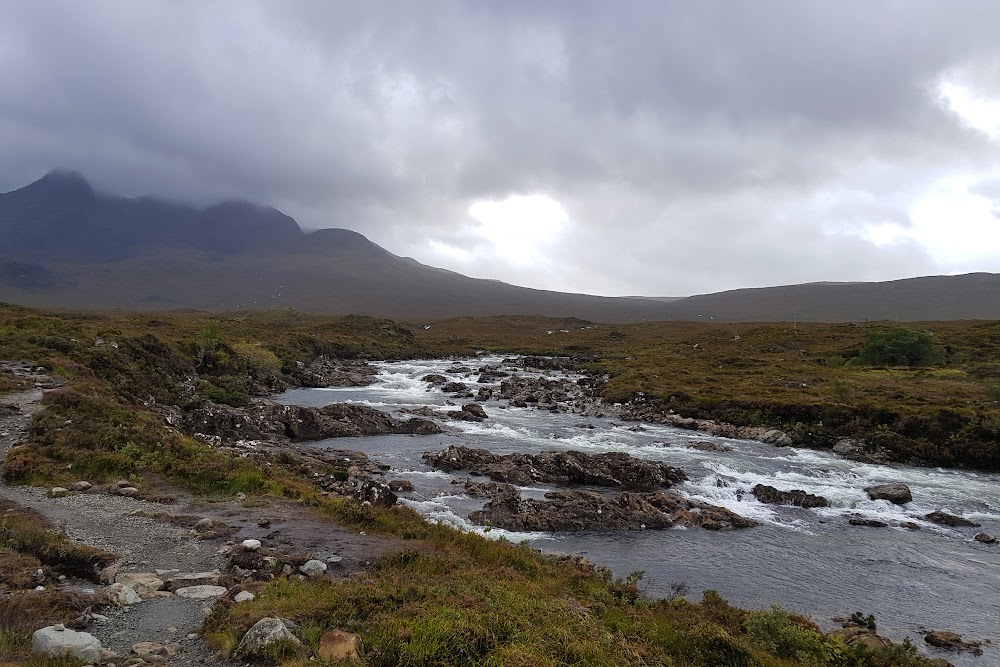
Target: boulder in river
(952, 641)
(945, 519)
(867, 523)
(612, 469)
(434, 378)
(898, 494)
(587, 510)
(985, 538)
(455, 387)
(796, 497)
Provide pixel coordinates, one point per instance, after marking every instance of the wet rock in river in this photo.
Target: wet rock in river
(455, 387)
(898, 494)
(985, 538)
(612, 469)
(585, 510)
(952, 641)
(867, 523)
(434, 378)
(796, 497)
(945, 519)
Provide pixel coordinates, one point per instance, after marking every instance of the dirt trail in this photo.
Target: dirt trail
(150, 536)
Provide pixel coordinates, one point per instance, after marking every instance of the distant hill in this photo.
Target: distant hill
(62, 244)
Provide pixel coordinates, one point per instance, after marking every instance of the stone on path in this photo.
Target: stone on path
(55, 641)
(200, 592)
(120, 595)
(251, 545)
(81, 486)
(193, 579)
(58, 492)
(140, 582)
(264, 633)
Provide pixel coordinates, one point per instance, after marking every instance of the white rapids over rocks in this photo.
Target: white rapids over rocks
(808, 560)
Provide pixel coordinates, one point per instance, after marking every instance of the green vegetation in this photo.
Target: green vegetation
(455, 599)
(899, 347)
(817, 382)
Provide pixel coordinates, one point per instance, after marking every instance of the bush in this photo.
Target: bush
(899, 347)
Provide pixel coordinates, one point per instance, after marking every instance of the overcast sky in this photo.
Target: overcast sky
(658, 148)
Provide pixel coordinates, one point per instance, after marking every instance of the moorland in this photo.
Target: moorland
(922, 393)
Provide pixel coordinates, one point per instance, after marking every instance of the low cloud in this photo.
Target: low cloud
(693, 146)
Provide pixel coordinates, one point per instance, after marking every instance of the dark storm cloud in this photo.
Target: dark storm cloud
(696, 146)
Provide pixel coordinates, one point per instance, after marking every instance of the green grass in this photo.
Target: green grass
(458, 599)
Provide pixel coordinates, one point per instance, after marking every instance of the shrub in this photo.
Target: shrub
(899, 347)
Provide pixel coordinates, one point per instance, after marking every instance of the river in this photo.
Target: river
(809, 561)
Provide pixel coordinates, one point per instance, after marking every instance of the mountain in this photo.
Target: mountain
(63, 244)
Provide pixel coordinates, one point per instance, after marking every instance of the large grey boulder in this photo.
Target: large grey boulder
(55, 641)
(264, 633)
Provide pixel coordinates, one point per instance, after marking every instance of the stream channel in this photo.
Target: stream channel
(809, 561)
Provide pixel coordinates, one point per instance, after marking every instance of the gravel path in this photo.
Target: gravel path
(109, 522)
(146, 543)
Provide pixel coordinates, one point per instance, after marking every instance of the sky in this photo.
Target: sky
(656, 147)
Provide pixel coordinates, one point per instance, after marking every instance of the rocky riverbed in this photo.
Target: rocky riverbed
(809, 543)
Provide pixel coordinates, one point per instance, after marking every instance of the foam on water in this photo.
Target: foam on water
(437, 511)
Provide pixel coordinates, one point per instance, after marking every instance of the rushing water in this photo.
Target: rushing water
(807, 560)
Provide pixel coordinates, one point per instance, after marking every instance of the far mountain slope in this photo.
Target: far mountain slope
(62, 244)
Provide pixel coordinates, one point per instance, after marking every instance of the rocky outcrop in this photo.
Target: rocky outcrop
(854, 635)
(586, 510)
(326, 372)
(540, 391)
(611, 469)
(796, 497)
(952, 641)
(267, 420)
(898, 494)
(484, 489)
(471, 412)
(950, 520)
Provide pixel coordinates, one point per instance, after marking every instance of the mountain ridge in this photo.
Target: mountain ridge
(69, 246)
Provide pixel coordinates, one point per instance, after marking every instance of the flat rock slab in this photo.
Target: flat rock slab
(193, 579)
(140, 582)
(200, 592)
